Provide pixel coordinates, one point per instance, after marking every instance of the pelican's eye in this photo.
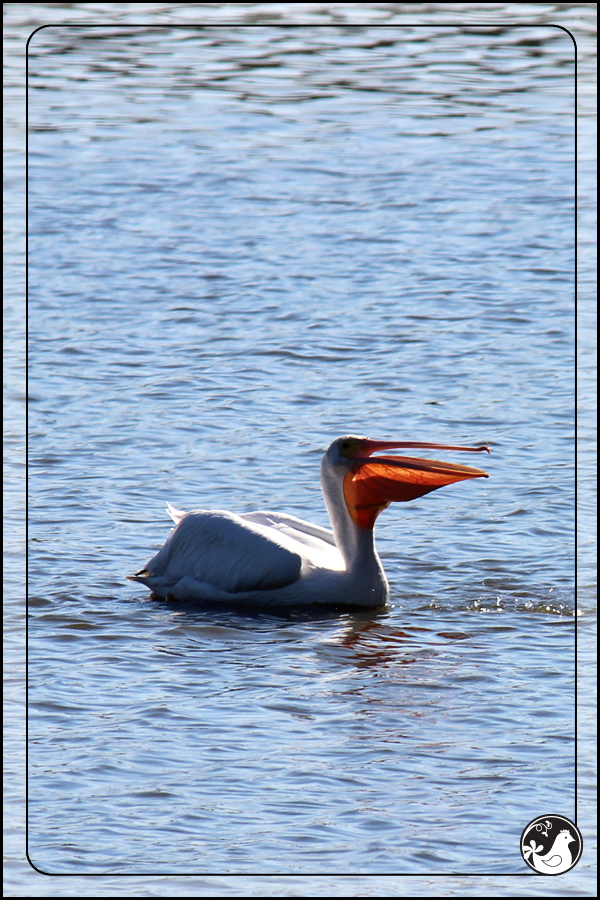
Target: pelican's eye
(347, 448)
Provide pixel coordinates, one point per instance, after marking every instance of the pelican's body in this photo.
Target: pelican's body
(268, 558)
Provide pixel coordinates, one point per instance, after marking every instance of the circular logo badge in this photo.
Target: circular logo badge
(551, 845)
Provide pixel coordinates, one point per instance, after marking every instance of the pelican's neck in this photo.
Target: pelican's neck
(356, 544)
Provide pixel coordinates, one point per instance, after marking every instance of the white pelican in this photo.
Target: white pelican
(268, 558)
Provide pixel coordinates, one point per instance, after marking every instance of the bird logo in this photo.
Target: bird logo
(548, 850)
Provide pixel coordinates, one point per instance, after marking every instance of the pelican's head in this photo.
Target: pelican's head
(371, 483)
(342, 453)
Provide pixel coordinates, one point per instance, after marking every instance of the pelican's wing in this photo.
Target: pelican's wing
(221, 549)
(315, 544)
(282, 520)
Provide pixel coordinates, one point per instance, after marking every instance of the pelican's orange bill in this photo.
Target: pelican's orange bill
(375, 482)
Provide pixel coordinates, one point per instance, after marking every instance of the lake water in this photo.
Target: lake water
(245, 241)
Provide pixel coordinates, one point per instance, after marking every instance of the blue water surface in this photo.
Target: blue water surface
(244, 242)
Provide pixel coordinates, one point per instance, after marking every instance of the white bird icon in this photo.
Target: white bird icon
(558, 859)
